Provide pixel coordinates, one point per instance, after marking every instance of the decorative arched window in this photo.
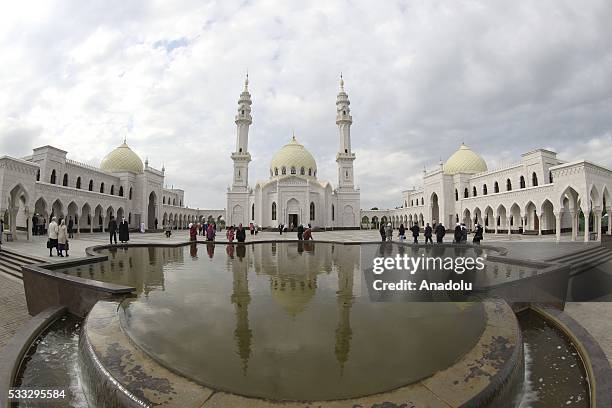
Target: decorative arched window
(102, 187)
(522, 182)
(273, 211)
(38, 175)
(276, 171)
(412, 203)
(302, 171)
(120, 191)
(253, 212)
(422, 201)
(496, 187)
(315, 173)
(78, 183)
(405, 203)
(180, 203)
(333, 213)
(456, 195)
(112, 192)
(474, 192)
(90, 185)
(550, 177)
(130, 193)
(534, 179)
(65, 180)
(466, 193)
(292, 170)
(52, 180)
(174, 201)
(312, 211)
(485, 191)
(310, 172)
(283, 170)
(508, 185)
(164, 200)
(129, 218)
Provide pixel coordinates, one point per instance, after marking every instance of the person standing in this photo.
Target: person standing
(402, 233)
(34, 225)
(210, 233)
(252, 228)
(112, 230)
(62, 238)
(457, 234)
(308, 233)
(124, 231)
(156, 224)
(2, 232)
(415, 233)
(70, 226)
(389, 232)
(478, 235)
(53, 231)
(280, 228)
(240, 234)
(230, 234)
(440, 232)
(428, 234)
(300, 232)
(193, 232)
(382, 232)
(464, 233)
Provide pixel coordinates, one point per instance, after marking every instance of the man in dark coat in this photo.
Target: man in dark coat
(440, 232)
(458, 233)
(478, 235)
(428, 234)
(382, 231)
(70, 226)
(124, 231)
(112, 229)
(300, 232)
(415, 233)
(240, 233)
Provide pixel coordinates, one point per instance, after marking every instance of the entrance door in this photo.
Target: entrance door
(293, 221)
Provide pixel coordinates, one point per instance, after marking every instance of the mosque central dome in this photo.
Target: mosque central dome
(465, 160)
(122, 159)
(293, 159)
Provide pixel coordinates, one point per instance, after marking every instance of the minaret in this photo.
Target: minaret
(241, 155)
(345, 156)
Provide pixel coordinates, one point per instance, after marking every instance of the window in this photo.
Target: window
(310, 172)
(422, 201)
(174, 201)
(130, 193)
(484, 190)
(164, 200)
(550, 177)
(65, 180)
(78, 183)
(474, 192)
(466, 193)
(242, 111)
(273, 211)
(102, 187)
(180, 203)
(508, 185)
(412, 203)
(302, 171)
(534, 179)
(112, 192)
(253, 212)
(38, 175)
(292, 170)
(315, 173)
(240, 150)
(121, 191)
(312, 211)
(52, 180)
(276, 171)
(496, 187)
(522, 182)
(333, 212)
(129, 218)
(283, 170)
(90, 185)
(456, 195)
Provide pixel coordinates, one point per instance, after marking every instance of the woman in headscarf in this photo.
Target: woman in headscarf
(230, 234)
(124, 231)
(62, 238)
(210, 233)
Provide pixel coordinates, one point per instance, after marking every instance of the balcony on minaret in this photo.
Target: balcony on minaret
(346, 155)
(241, 156)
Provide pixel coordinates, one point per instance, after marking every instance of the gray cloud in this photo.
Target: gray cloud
(422, 78)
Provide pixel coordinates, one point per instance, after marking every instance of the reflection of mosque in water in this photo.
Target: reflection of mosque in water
(293, 269)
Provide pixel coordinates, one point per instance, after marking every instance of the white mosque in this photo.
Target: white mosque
(541, 194)
(47, 184)
(293, 194)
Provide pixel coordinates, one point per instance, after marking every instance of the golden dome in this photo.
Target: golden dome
(295, 159)
(465, 160)
(121, 160)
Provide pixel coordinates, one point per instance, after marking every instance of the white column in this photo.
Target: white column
(509, 226)
(558, 225)
(77, 217)
(598, 225)
(574, 216)
(609, 222)
(587, 232)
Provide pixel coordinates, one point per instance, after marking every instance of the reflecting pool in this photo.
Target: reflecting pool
(283, 321)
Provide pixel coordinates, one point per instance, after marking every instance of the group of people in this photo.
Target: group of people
(239, 233)
(123, 228)
(58, 237)
(208, 230)
(304, 232)
(460, 233)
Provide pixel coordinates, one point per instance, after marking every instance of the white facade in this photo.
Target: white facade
(49, 184)
(293, 195)
(539, 195)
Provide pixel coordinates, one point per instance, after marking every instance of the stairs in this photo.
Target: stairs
(584, 260)
(11, 262)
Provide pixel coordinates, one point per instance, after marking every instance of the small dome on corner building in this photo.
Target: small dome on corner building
(465, 160)
(122, 159)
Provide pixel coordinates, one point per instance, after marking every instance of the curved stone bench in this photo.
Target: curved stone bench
(118, 374)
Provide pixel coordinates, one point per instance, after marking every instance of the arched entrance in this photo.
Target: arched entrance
(435, 209)
(151, 210)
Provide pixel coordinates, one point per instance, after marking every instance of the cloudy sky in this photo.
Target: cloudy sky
(423, 76)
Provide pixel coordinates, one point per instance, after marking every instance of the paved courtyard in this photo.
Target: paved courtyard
(13, 306)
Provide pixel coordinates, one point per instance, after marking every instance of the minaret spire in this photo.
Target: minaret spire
(345, 156)
(241, 155)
